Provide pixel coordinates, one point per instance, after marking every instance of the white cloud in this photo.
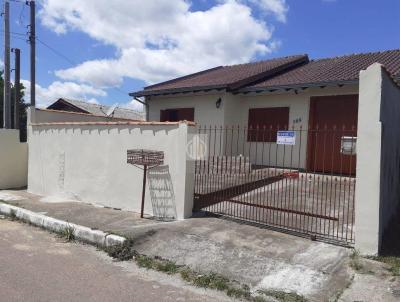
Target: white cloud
(45, 96)
(134, 105)
(277, 7)
(161, 39)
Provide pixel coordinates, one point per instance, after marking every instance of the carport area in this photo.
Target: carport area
(308, 204)
(275, 185)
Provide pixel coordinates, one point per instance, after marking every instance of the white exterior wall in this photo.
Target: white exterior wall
(205, 111)
(299, 109)
(234, 111)
(89, 163)
(13, 160)
(378, 158)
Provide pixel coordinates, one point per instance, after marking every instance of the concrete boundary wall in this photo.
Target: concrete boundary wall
(378, 158)
(87, 161)
(13, 160)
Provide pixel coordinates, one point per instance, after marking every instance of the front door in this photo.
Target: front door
(333, 119)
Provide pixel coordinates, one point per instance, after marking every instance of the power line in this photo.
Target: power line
(72, 62)
(18, 35)
(56, 52)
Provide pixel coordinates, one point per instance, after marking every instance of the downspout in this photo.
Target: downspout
(145, 105)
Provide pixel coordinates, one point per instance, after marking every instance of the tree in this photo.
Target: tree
(22, 108)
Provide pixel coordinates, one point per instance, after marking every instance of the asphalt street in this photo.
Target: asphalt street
(38, 266)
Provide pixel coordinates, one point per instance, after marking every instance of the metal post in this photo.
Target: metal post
(17, 96)
(7, 94)
(143, 190)
(32, 41)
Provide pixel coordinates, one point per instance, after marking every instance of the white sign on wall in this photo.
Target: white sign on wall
(286, 138)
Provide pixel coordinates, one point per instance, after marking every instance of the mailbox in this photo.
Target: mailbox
(348, 145)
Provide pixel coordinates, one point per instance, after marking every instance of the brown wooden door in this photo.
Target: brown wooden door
(175, 115)
(331, 118)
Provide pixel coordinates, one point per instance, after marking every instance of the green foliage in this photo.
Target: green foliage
(68, 233)
(121, 252)
(13, 215)
(22, 108)
(392, 261)
(209, 280)
(282, 296)
(355, 262)
(157, 264)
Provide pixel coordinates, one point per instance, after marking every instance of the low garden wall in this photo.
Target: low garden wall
(87, 161)
(13, 160)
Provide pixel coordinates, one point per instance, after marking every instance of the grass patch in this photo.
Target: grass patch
(209, 280)
(392, 261)
(13, 215)
(355, 262)
(218, 282)
(157, 264)
(242, 292)
(68, 233)
(125, 252)
(282, 296)
(121, 252)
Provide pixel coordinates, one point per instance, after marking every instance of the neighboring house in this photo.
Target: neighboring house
(283, 92)
(68, 105)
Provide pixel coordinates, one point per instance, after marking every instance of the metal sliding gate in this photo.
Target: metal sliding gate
(298, 180)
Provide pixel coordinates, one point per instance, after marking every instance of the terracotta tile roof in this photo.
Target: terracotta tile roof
(226, 77)
(339, 69)
(279, 72)
(120, 123)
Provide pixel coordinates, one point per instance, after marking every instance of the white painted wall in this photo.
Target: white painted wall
(299, 107)
(13, 160)
(378, 158)
(205, 111)
(88, 163)
(234, 112)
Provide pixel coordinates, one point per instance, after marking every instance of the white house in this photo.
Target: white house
(282, 93)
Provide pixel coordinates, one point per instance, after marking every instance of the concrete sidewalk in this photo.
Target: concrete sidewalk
(261, 258)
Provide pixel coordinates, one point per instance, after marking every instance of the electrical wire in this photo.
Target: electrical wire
(19, 36)
(72, 62)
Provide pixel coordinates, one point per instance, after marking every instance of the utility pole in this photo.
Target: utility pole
(32, 41)
(17, 96)
(7, 86)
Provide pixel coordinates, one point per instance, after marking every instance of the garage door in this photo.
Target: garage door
(335, 117)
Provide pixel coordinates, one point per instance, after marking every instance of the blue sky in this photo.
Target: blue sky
(116, 47)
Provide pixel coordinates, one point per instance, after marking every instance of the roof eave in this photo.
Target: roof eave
(270, 73)
(296, 86)
(177, 90)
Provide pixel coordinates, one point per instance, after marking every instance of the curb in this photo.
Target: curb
(83, 233)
